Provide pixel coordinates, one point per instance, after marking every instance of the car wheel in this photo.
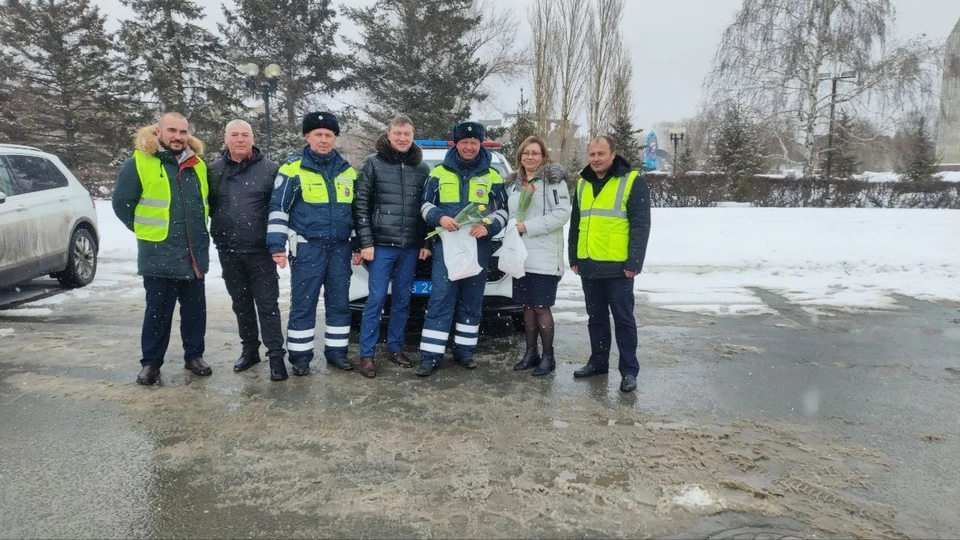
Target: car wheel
(517, 319)
(81, 261)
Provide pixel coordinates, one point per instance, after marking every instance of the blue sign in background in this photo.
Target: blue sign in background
(650, 152)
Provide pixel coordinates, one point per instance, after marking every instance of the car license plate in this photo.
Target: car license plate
(422, 288)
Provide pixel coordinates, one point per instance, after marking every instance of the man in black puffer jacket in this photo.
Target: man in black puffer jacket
(386, 211)
(241, 183)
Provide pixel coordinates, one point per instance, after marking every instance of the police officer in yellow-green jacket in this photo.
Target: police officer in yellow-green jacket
(609, 229)
(310, 223)
(161, 195)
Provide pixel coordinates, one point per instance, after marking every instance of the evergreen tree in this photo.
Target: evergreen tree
(412, 58)
(844, 163)
(737, 151)
(299, 36)
(10, 130)
(524, 126)
(918, 158)
(625, 137)
(58, 93)
(685, 161)
(175, 64)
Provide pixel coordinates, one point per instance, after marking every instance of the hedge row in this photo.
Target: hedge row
(708, 189)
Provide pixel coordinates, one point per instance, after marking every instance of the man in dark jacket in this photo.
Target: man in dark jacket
(311, 208)
(386, 212)
(610, 225)
(161, 195)
(241, 183)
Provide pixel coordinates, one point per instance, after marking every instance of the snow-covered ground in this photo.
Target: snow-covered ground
(707, 260)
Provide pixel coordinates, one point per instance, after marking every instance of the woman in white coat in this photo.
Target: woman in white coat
(542, 232)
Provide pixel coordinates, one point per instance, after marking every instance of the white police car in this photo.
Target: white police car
(497, 296)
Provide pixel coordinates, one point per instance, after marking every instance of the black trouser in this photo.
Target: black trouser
(162, 295)
(254, 287)
(603, 297)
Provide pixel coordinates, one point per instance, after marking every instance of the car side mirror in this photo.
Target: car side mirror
(3, 197)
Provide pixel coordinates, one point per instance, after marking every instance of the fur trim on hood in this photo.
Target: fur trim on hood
(147, 141)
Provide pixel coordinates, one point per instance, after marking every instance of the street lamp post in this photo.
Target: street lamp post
(676, 135)
(835, 78)
(264, 89)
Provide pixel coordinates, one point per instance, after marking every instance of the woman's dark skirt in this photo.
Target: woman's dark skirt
(536, 290)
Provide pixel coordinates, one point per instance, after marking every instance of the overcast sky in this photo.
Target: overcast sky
(671, 41)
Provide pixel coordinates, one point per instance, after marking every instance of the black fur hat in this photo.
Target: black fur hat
(322, 119)
(466, 130)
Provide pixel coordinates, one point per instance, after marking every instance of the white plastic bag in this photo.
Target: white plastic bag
(460, 254)
(512, 253)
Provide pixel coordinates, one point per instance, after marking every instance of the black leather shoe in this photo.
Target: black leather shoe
(628, 384)
(301, 369)
(530, 358)
(468, 362)
(278, 369)
(425, 369)
(546, 366)
(148, 375)
(588, 370)
(198, 367)
(340, 363)
(246, 361)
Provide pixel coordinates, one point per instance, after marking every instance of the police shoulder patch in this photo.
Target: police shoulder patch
(278, 181)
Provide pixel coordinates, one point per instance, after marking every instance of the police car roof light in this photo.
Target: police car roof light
(426, 143)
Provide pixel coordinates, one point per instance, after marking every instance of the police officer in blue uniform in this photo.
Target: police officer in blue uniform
(464, 177)
(311, 208)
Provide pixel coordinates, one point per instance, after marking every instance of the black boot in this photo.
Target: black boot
(530, 358)
(547, 364)
(248, 359)
(278, 369)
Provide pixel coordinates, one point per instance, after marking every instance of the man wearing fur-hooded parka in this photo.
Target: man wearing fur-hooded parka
(161, 195)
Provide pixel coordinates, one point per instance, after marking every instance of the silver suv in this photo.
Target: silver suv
(48, 222)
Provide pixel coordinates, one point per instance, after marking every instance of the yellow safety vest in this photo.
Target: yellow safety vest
(314, 187)
(151, 217)
(480, 186)
(604, 227)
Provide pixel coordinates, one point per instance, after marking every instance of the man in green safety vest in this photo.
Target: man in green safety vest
(161, 195)
(609, 228)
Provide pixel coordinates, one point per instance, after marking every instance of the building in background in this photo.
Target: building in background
(948, 123)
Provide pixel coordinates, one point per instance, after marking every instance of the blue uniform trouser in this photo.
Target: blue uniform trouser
(312, 268)
(603, 297)
(390, 265)
(162, 296)
(458, 301)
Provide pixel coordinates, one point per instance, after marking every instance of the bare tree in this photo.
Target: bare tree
(604, 45)
(620, 104)
(493, 43)
(777, 53)
(571, 69)
(543, 22)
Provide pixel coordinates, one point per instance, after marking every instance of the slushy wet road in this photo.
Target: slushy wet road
(839, 424)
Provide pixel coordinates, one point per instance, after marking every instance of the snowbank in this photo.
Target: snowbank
(710, 260)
